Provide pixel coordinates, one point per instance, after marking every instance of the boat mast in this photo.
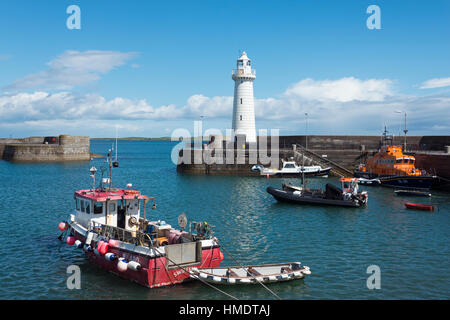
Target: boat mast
(303, 153)
(116, 144)
(109, 161)
(405, 131)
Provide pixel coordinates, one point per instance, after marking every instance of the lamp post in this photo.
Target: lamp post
(306, 143)
(404, 130)
(201, 132)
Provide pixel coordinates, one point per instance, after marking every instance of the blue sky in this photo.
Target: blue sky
(168, 62)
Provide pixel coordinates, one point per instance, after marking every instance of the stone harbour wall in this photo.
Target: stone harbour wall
(347, 151)
(35, 149)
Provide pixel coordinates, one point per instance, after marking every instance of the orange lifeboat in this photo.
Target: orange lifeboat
(394, 168)
(391, 161)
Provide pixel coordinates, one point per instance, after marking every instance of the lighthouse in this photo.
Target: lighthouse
(243, 103)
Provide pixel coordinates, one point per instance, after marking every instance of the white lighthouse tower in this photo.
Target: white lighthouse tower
(243, 104)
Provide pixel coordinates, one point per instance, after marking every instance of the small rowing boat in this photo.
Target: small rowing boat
(412, 193)
(369, 182)
(419, 206)
(266, 273)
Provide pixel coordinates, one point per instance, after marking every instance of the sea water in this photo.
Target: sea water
(411, 248)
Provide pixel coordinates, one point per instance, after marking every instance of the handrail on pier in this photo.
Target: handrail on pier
(335, 168)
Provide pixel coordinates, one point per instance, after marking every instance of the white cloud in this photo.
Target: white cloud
(341, 90)
(436, 83)
(73, 68)
(215, 107)
(67, 105)
(362, 110)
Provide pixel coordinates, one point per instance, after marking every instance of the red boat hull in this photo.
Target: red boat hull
(154, 271)
(418, 206)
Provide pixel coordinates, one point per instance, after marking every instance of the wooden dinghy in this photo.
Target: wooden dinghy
(266, 273)
(419, 206)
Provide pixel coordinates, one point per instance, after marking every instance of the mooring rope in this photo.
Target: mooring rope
(197, 277)
(264, 286)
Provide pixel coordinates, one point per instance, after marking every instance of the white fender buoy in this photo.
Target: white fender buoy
(133, 265)
(122, 265)
(110, 256)
(79, 244)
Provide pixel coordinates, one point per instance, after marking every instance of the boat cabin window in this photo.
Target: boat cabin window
(241, 63)
(82, 206)
(77, 204)
(398, 161)
(112, 207)
(98, 207)
(88, 207)
(289, 165)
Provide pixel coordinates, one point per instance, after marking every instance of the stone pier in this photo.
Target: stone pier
(36, 149)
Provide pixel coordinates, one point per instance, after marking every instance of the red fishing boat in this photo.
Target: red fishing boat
(419, 206)
(109, 224)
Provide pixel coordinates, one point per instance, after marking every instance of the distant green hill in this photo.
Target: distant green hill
(135, 139)
(140, 139)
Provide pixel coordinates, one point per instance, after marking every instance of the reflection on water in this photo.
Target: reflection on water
(338, 244)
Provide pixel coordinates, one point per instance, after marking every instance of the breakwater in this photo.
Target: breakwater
(36, 149)
(345, 151)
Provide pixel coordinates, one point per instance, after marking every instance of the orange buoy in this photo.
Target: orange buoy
(100, 245)
(62, 226)
(104, 248)
(70, 240)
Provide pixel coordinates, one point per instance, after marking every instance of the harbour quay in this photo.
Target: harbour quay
(42, 149)
(219, 156)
